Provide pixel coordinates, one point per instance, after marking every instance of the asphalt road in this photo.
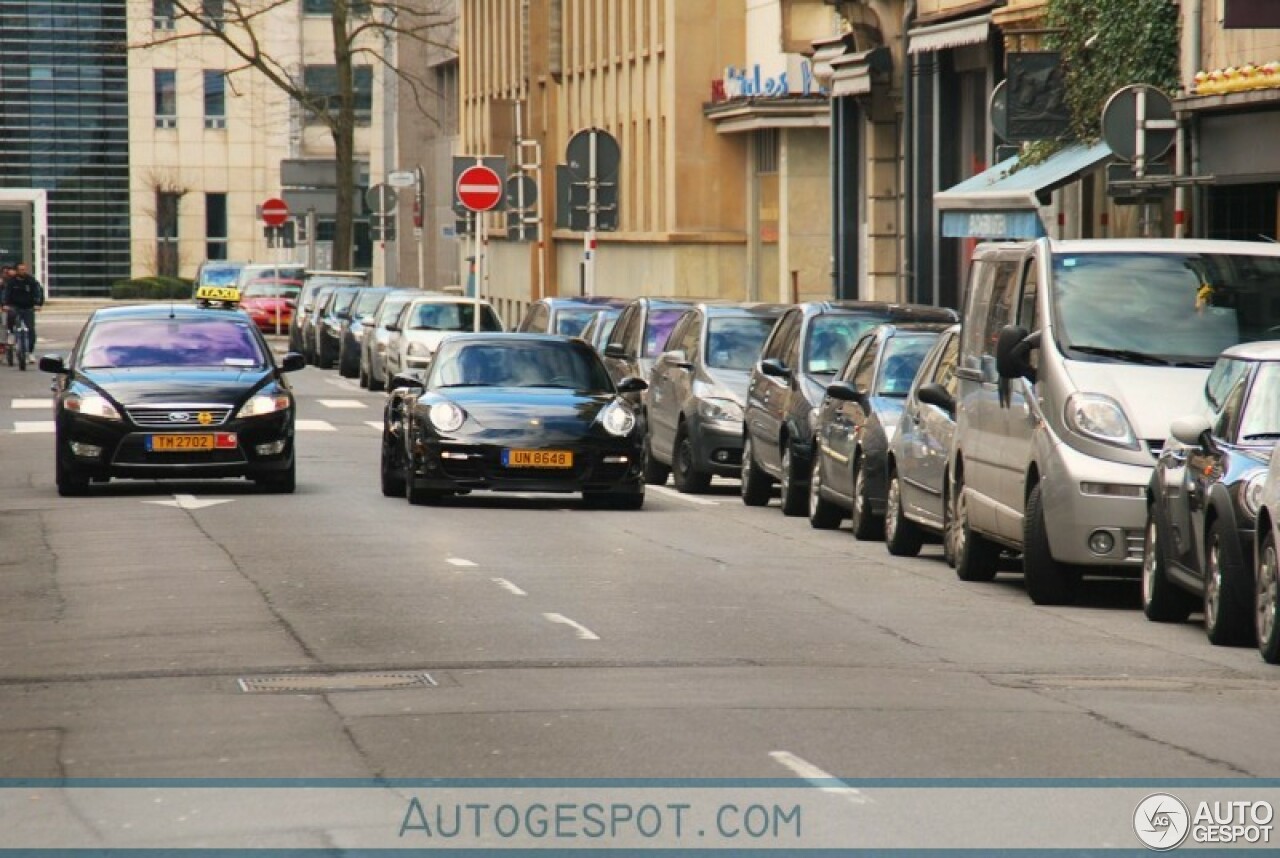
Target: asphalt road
(696, 638)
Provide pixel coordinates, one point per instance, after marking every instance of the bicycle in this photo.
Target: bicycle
(16, 347)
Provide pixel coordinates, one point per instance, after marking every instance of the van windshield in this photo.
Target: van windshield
(1163, 308)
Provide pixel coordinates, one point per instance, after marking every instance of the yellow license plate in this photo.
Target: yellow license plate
(537, 458)
(180, 443)
(218, 293)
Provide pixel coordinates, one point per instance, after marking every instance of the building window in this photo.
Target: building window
(447, 97)
(162, 14)
(166, 98)
(325, 7)
(212, 14)
(167, 233)
(767, 151)
(215, 99)
(322, 81)
(215, 226)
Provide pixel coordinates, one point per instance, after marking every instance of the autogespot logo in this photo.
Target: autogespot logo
(1161, 822)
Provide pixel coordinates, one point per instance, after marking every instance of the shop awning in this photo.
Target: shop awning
(1004, 202)
(952, 34)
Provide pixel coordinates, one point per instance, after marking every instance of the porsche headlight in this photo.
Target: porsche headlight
(91, 405)
(264, 403)
(617, 419)
(420, 350)
(1251, 493)
(1100, 418)
(446, 417)
(720, 409)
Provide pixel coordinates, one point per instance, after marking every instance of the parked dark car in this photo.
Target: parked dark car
(915, 506)
(170, 392)
(565, 316)
(513, 412)
(597, 331)
(1204, 495)
(857, 420)
(373, 345)
(697, 389)
(329, 324)
(640, 335)
(311, 327)
(312, 283)
(353, 328)
(808, 345)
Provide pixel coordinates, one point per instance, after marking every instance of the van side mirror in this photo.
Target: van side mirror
(1013, 353)
(1193, 430)
(937, 395)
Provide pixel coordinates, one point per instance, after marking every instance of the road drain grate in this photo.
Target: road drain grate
(322, 683)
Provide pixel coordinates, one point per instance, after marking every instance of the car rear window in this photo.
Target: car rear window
(661, 322)
(134, 343)
(450, 317)
(270, 290)
(569, 323)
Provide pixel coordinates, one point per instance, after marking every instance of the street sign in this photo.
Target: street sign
(381, 199)
(1138, 124)
(274, 212)
(608, 156)
(522, 191)
(479, 189)
(1125, 187)
(402, 178)
(464, 162)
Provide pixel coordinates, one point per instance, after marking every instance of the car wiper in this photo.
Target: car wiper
(1261, 436)
(1123, 354)
(470, 384)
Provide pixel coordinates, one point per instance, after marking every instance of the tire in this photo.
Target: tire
(391, 468)
(686, 475)
(655, 473)
(1267, 601)
(823, 514)
(976, 557)
(323, 360)
(866, 524)
(795, 495)
(364, 379)
(284, 483)
(756, 485)
(630, 501)
(22, 357)
(71, 483)
(9, 349)
(902, 536)
(1162, 600)
(1048, 582)
(1227, 614)
(374, 384)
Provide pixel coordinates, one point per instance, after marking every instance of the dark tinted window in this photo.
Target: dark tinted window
(212, 342)
(569, 323)
(831, 337)
(735, 343)
(902, 358)
(518, 364)
(450, 317)
(659, 329)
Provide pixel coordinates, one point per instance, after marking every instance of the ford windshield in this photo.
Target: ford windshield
(1163, 309)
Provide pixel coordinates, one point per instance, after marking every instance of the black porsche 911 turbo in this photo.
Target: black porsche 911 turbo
(171, 391)
(517, 413)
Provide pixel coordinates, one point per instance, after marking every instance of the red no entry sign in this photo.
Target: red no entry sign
(275, 212)
(479, 189)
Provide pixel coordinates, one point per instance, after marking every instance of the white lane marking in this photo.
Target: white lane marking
(32, 427)
(341, 403)
(314, 426)
(509, 587)
(694, 499)
(824, 782)
(459, 561)
(345, 383)
(190, 502)
(31, 403)
(584, 633)
(374, 424)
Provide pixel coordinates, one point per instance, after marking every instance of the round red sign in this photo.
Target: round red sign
(479, 188)
(275, 212)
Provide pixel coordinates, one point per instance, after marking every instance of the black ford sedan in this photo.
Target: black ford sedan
(166, 391)
(1204, 494)
(516, 412)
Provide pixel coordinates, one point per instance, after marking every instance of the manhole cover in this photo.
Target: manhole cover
(320, 683)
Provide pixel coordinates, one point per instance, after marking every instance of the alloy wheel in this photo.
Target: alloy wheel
(1268, 591)
(1213, 585)
(1149, 562)
(815, 486)
(892, 509)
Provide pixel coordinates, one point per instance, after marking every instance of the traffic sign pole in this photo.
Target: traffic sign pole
(589, 240)
(419, 201)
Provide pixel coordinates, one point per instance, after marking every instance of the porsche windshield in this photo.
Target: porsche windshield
(519, 363)
(1163, 308)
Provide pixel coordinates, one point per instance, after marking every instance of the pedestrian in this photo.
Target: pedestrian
(23, 295)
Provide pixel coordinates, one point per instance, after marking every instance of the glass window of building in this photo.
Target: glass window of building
(322, 81)
(215, 99)
(212, 14)
(215, 226)
(325, 7)
(166, 98)
(167, 233)
(162, 14)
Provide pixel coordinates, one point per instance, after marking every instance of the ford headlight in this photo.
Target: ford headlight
(617, 419)
(264, 403)
(91, 405)
(420, 350)
(446, 417)
(1251, 494)
(1100, 418)
(720, 409)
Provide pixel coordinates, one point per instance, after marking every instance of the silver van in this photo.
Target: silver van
(1075, 356)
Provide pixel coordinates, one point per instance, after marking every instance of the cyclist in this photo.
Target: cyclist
(22, 296)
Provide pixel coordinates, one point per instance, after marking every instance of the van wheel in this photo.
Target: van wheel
(902, 536)
(1267, 601)
(1048, 581)
(1162, 600)
(756, 485)
(976, 557)
(1226, 595)
(795, 497)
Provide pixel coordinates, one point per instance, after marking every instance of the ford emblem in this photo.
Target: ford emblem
(179, 417)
